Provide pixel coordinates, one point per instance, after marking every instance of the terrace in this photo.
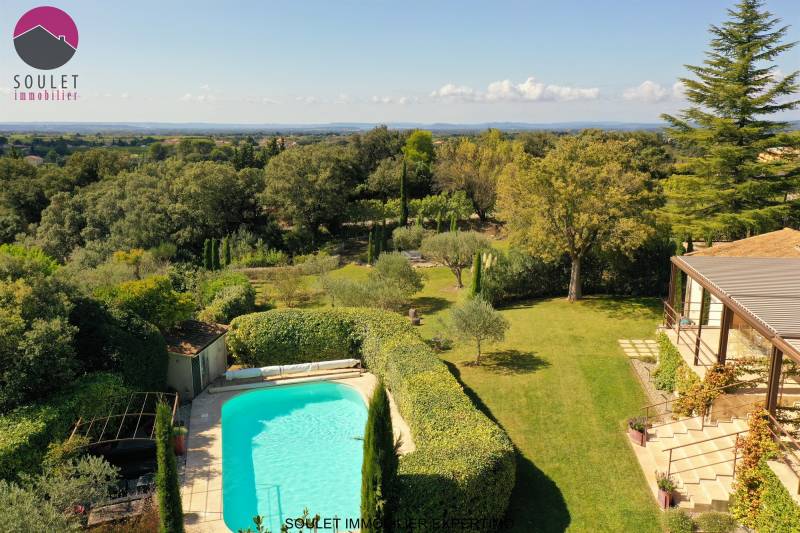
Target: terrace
(726, 307)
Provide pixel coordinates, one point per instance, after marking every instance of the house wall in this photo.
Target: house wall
(693, 302)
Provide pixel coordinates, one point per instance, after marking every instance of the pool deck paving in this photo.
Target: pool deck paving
(201, 489)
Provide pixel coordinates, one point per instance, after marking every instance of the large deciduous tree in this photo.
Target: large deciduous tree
(585, 192)
(743, 170)
(473, 167)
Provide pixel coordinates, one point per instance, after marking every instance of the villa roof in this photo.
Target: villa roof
(781, 243)
(192, 337)
(767, 289)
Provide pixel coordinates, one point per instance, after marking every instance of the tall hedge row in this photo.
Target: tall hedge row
(669, 360)
(26, 432)
(463, 467)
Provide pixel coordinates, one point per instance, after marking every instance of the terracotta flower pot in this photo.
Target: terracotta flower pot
(179, 444)
(637, 437)
(664, 499)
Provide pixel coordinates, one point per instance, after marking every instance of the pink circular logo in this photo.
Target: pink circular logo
(45, 37)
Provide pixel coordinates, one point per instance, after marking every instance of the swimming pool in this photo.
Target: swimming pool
(290, 447)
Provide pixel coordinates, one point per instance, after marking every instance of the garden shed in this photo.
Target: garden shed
(197, 356)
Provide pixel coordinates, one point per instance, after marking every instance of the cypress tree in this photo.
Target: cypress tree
(403, 198)
(214, 254)
(419, 219)
(384, 236)
(439, 222)
(453, 223)
(678, 303)
(370, 248)
(227, 249)
(380, 465)
(728, 187)
(170, 512)
(207, 254)
(477, 274)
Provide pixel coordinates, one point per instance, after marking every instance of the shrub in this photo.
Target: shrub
(27, 259)
(230, 303)
(779, 513)
(408, 237)
(26, 432)
(212, 283)
(154, 300)
(714, 522)
(669, 360)
(379, 468)
(316, 264)
(116, 340)
(288, 285)
(393, 268)
(464, 463)
(678, 521)
(264, 257)
(167, 484)
(517, 275)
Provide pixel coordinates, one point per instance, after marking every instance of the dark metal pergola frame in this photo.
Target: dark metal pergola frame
(134, 410)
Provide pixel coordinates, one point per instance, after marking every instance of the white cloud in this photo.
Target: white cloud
(651, 92)
(200, 98)
(529, 90)
(205, 87)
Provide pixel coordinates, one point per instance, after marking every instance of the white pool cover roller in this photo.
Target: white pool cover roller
(283, 370)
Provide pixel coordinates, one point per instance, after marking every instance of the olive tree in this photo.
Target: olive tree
(476, 320)
(455, 250)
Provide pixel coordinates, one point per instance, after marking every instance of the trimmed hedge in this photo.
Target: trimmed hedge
(229, 303)
(26, 432)
(464, 464)
(669, 360)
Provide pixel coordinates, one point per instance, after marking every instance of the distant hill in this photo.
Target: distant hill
(168, 128)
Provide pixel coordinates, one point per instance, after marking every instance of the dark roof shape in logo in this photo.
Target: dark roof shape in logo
(45, 37)
(41, 49)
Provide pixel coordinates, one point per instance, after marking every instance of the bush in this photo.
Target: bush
(408, 237)
(714, 522)
(266, 257)
(229, 303)
(464, 464)
(379, 468)
(167, 485)
(212, 283)
(517, 275)
(154, 300)
(779, 513)
(315, 264)
(116, 340)
(678, 521)
(669, 360)
(26, 432)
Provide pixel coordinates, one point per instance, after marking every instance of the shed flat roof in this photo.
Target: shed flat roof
(191, 337)
(766, 288)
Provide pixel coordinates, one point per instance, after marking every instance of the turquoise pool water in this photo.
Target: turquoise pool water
(291, 447)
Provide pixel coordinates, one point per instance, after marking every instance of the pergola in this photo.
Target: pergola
(761, 292)
(125, 421)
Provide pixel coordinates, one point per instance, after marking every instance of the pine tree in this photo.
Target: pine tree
(403, 198)
(729, 188)
(453, 223)
(214, 254)
(370, 248)
(170, 512)
(207, 254)
(227, 251)
(477, 275)
(379, 468)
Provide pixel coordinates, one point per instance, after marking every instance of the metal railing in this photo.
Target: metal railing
(704, 355)
(735, 448)
(789, 446)
(667, 406)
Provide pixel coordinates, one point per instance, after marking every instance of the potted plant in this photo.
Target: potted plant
(637, 430)
(179, 439)
(666, 486)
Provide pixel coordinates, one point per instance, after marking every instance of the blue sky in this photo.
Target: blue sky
(322, 61)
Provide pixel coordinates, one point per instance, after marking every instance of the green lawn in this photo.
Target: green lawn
(562, 389)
